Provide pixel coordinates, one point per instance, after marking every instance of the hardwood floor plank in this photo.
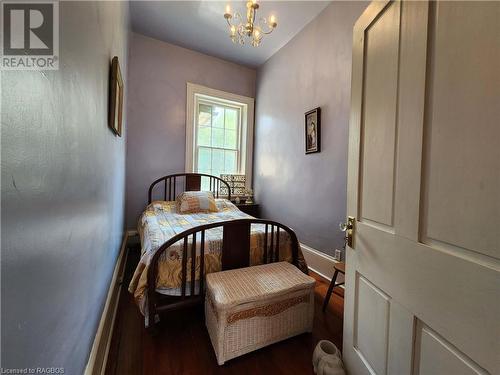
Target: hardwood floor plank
(183, 346)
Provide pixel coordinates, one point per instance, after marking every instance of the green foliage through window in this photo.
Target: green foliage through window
(218, 130)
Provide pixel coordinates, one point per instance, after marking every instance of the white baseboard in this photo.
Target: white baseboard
(320, 263)
(96, 364)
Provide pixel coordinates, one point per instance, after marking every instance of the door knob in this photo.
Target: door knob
(348, 228)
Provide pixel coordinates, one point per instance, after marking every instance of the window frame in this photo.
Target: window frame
(196, 93)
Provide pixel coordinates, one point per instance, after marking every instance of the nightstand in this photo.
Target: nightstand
(251, 209)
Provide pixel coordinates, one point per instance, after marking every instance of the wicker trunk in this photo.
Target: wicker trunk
(249, 308)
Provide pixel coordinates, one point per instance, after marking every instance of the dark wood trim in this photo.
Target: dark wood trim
(192, 182)
(235, 245)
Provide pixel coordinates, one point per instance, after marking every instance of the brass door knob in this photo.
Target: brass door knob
(348, 228)
(345, 226)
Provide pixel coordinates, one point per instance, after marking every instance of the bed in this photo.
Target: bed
(220, 240)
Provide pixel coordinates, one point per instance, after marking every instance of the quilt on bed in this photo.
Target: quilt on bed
(160, 222)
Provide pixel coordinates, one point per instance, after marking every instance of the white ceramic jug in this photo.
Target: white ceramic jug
(330, 365)
(323, 349)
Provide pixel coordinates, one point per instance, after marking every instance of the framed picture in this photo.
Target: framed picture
(115, 98)
(236, 183)
(313, 130)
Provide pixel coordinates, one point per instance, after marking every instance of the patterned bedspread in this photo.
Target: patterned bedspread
(160, 222)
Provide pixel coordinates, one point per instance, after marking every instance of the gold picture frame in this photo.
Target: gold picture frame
(115, 98)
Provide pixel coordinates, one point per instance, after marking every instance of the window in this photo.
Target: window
(219, 132)
(218, 144)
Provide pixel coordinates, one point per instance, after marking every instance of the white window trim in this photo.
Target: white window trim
(247, 124)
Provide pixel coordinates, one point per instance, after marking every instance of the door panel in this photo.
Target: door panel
(411, 99)
(461, 173)
(423, 277)
(371, 324)
(379, 116)
(435, 356)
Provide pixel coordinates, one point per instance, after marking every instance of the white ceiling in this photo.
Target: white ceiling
(200, 25)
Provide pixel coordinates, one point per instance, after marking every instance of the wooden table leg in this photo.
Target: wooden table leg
(330, 290)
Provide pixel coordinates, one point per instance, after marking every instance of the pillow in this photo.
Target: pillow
(195, 201)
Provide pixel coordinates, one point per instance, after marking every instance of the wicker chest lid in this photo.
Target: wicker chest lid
(234, 287)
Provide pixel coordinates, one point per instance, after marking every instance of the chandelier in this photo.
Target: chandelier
(241, 30)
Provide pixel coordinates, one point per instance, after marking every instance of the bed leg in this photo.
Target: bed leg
(153, 320)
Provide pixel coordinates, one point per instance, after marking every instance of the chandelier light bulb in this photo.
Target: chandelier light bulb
(228, 9)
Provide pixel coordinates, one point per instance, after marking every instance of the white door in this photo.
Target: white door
(423, 274)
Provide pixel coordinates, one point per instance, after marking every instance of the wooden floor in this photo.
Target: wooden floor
(183, 345)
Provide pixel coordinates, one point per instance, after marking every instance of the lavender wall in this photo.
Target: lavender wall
(307, 192)
(62, 190)
(158, 73)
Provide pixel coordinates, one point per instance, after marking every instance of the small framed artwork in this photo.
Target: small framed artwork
(236, 183)
(313, 130)
(115, 98)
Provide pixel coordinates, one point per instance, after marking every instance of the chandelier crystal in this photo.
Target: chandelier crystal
(241, 30)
